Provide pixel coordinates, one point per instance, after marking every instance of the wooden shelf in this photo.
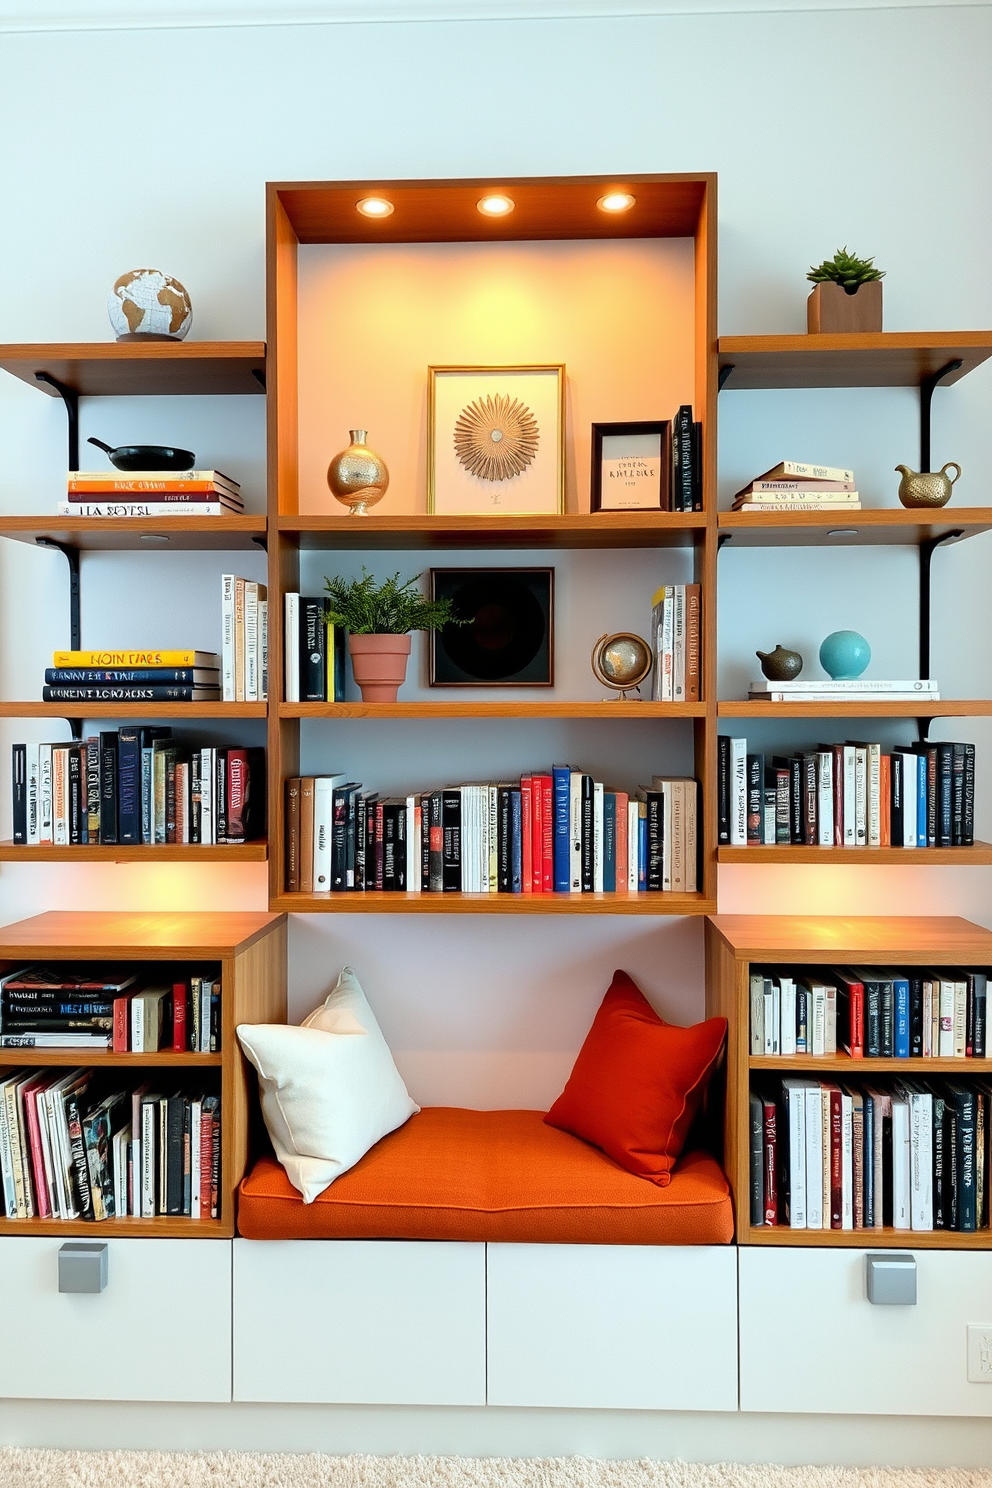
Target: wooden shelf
(123, 935)
(606, 712)
(515, 904)
(126, 368)
(885, 526)
(128, 534)
(887, 1239)
(978, 855)
(867, 940)
(875, 359)
(839, 1066)
(143, 852)
(869, 708)
(160, 1228)
(571, 530)
(133, 710)
(105, 1058)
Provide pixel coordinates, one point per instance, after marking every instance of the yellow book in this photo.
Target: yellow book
(151, 658)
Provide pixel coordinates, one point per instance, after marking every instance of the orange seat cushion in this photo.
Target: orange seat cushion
(452, 1174)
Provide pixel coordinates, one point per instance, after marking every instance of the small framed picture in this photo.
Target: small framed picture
(510, 638)
(630, 467)
(496, 441)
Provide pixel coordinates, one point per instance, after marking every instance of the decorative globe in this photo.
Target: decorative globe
(147, 305)
(621, 661)
(844, 655)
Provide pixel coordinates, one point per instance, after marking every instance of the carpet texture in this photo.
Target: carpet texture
(50, 1469)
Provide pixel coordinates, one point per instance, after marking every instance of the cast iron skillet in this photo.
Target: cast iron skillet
(147, 456)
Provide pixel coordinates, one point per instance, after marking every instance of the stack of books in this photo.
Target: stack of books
(555, 833)
(314, 651)
(244, 614)
(675, 627)
(152, 676)
(65, 1007)
(793, 485)
(150, 493)
(76, 1145)
(854, 690)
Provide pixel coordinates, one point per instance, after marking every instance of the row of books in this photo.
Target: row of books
(73, 1147)
(675, 629)
(845, 690)
(869, 1013)
(684, 464)
(559, 832)
(68, 1007)
(794, 485)
(135, 676)
(150, 493)
(244, 614)
(834, 1157)
(848, 795)
(315, 651)
(135, 785)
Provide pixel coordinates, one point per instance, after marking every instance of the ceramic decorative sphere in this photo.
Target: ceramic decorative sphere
(844, 655)
(147, 304)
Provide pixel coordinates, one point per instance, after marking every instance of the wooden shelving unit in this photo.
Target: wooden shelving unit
(514, 904)
(979, 854)
(138, 852)
(878, 526)
(569, 530)
(864, 359)
(605, 712)
(140, 534)
(135, 369)
(251, 951)
(192, 711)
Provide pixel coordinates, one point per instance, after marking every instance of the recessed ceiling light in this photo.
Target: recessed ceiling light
(154, 537)
(843, 532)
(616, 201)
(496, 205)
(375, 206)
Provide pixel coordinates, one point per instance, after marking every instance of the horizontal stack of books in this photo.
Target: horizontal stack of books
(76, 1145)
(869, 1013)
(244, 640)
(675, 628)
(134, 785)
(907, 1155)
(794, 486)
(315, 651)
(560, 832)
(847, 795)
(152, 676)
(150, 493)
(66, 1007)
(855, 690)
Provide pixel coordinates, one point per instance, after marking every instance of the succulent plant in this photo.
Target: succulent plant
(845, 269)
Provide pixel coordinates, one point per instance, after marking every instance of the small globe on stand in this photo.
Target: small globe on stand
(621, 661)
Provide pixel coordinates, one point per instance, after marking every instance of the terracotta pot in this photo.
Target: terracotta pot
(831, 309)
(379, 664)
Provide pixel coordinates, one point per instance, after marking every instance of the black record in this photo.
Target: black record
(508, 638)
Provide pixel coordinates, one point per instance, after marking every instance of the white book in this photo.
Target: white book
(678, 645)
(910, 796)
(206, 797)
(829, 1018)
(666, 644)
(227, 583)
(901, 1164)
(960, 1019)
(575, 830)
(493, 863)
(825, 798)
(412, 847)
(415, 884)
(665, 786)
(206, 992)
(795, 1100)
(50, 1096)
(757, 1013)
(946, 1015)
(738, 792)
(928, 1049)
(768, 823)
(44, 792)
(840, 686)
(33, 783)
(195, 1129)
(874, 795)
(598, 834)
(817, 1014)
(860, 797)
(251, 641)
(324, 787)
(7, 1152)
(291, 648)
(850, 797)
(47, 1160)
(136, 1007)
(846, 1162)
(778, 696)
(149, 1126)
(60, 795)
(120, 1142)
(776, 1017)
(768, 1020)
(814, 1158)
(263, 650)
(921, 1159)
(787, 1039)
(633, 846)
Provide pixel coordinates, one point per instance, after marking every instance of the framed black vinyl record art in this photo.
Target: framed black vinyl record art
(510, 638)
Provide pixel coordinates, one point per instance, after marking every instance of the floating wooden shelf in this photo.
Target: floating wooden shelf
(105, 1058)
(978, 854)
(876, 359)
(840, 1066)
(869, 708)
(131, 534)
(887, 526)
(606, 712)
(144, 852)
(572, 530)
(161, 1228)
(887, 1239)
(516, 904)
(867, 940)
(126, 368)
(133, 710)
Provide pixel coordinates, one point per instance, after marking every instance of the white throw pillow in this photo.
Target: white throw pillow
(330, 1089)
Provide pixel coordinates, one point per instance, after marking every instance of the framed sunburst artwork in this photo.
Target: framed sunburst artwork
(496, 441)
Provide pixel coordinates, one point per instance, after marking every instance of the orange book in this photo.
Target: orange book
(623, 866)
(885, 801)
(306, 834)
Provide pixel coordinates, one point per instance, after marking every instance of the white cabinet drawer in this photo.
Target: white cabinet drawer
(384, 1322)
(161, 1329)
(613, 1326)
(811, 1340)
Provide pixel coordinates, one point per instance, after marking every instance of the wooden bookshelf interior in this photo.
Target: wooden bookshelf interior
(251, 952)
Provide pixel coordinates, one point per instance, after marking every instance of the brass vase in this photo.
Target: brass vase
(358, 476)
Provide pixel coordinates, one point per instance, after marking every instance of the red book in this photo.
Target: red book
(526, 833)
(536, 835)
(623, 862)
(836, 1159)
(850, 1015)
(838, 753)
(237, 792)
(30, 1111)
(206, 1162)
(180, 999)
(547, 834)
(693, 631)
(771, 1161)
(122, 1024)
(379, 856)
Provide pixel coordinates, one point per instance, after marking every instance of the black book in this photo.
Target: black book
(343, 819)
(351, 840)
(873, 1018)
(589, 842)
(887, 1008)
(943, 815)
(142, 676)
(683, 468)
(425, 842)
(697, 466)
(451, 829)
(916, 1017)
(755, 785)
(655, 802)
(187, 1153)
(129, 784)
(939, 1164)
(964, 1102)
(723, 790)
(896, 825)
(195, 796)
(80, 1173)
(19, 780)
(435, 845)
(174, 1154)
(365, 855)
(968, 798)
(394, 845)
(957, 794)
(504, 840)
(757, 1160)
(108, 787)
(797, 798)
(130, 693)
(951, 1160)
(810, 802)
(886, 1171)
(43, 1023)
(75, 794)
(933, 792)
(253, 808)
(313, 649)
(802, 1019)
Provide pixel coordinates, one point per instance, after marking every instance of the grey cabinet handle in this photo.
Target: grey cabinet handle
(891, 1279)
(83, 1266)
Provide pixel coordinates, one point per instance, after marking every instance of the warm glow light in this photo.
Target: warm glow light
(375, 206)
(616, 201)
(496, 205)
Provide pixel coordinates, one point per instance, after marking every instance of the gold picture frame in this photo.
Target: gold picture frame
(489, 448)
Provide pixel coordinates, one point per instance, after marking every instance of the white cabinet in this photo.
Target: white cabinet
(161, 1330)
(811, 1340)
(622, 1326)
(384, 1322)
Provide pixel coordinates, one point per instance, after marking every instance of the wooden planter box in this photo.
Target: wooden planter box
(831, 309)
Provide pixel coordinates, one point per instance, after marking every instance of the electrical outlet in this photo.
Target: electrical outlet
(980, 1355)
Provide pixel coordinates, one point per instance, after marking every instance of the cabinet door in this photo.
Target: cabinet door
(161, 1329)
(625, 1326)
(383, 1322)
(811, 1341)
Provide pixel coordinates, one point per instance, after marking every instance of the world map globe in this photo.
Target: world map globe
(147, 303)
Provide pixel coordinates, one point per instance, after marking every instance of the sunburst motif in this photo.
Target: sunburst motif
(496, 437)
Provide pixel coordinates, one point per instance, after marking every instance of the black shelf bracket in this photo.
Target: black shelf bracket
(927, 385)
(927, 550)
(70, 398)
(724, 374)
(722, 538)
(259, 375)
(262, 541)
(71, 556)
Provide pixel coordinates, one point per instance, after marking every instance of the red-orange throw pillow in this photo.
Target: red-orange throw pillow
(638, 1082)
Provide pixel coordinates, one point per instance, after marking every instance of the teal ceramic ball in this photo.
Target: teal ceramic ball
(844, 655)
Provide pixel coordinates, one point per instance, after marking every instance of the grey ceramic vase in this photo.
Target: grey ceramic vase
(780, 665)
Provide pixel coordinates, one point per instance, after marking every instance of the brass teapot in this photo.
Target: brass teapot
(927, 488)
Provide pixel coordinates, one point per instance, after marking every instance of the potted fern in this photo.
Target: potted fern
(847, 295)
(379, 619)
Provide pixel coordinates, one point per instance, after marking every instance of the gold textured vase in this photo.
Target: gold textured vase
(358, 476)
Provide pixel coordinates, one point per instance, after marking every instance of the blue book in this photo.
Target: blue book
(516, 844)
(642, 853)
(609, 842)
(900, 994)
(129, 785)
(921, 799)
(561, 775)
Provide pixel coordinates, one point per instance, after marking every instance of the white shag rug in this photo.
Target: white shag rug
(36, 1468)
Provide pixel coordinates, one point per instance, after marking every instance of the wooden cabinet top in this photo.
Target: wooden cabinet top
(156, 936)
(876, 938)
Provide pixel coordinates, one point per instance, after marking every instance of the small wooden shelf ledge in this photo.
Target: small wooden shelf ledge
(104, 1058)
(571, 530)
(891, 526)
(133, 710)
(887, 1239)
(868, 708)
(143, 852)
(606, 711)
(126, 368)
(129, 534)
(875, 359)
(978, 855)
(550, 904)
(160, 1228)
(831, 1065)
